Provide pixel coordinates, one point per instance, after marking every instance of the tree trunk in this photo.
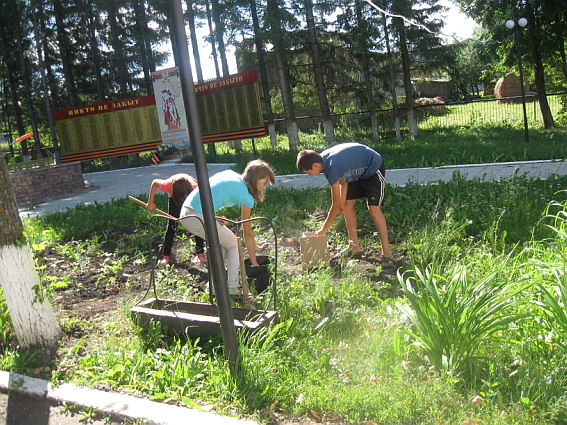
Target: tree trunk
(219, 36)
(6, 117)
(141, 35)
(26, 66)
(392, 80)
(410, 106)
(17, 109)
(212, 38)
(258, 39)
(535, 41)
(318, 74)
(39, 36)
(148, 43)
(211, 148)
(560, 33)
(370, 95)
(118, 56)
(65, 51)
(92, 20)
(563, 59)
(194, 44)
(12, 72)
(32, 316)
(172, 40)
(51, 78)
(289, 106)
(280, 51)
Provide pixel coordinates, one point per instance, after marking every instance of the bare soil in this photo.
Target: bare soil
(93, 291)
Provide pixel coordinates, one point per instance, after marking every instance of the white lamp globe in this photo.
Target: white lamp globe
(522, 22)
(509, 24)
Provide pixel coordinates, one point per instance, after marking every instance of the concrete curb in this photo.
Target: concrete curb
(430, 175)
(120, 405)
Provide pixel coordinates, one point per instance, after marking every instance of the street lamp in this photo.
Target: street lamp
(510, 24)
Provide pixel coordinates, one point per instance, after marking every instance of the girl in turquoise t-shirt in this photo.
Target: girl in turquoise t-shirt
(227, 189)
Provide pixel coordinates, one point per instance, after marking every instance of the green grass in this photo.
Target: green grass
(496, 255)
(491, 114)
(458, 145)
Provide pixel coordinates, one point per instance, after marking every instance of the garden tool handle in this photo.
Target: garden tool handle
(160, 212)
(246, 295)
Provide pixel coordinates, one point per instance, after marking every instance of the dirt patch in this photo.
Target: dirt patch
(90, 284)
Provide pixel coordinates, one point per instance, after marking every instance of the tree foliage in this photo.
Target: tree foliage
(96, 50)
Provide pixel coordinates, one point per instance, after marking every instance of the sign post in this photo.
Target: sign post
(196, 138)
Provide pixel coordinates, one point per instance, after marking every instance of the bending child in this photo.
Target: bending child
(177, 187)
(227, 189)
(353, 171)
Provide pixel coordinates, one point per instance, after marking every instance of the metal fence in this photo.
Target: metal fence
(488, 112)
(27, 165)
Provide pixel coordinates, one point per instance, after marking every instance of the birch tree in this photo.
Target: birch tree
(260, 53)
(363, 48)
(33, 319)
(318, 73)
(277, 32)
(404, 52)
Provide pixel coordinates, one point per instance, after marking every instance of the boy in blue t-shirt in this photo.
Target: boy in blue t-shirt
(353, 171)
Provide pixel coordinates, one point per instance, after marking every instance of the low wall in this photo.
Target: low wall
(39, 185)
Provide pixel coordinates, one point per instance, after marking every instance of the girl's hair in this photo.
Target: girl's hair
(254, 171)
(181, 188)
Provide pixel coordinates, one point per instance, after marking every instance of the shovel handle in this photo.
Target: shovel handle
(246, 295)
(143, 204)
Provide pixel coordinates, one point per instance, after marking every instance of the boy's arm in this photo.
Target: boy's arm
(246, 212)
(336, 208)
(150, 205)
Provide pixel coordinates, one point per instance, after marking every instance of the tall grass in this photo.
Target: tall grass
(553, 282)
(7, 337)
(453, 314)
(466, 317)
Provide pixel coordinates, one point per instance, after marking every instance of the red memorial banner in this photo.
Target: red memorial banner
(118, 127)
(229, 108)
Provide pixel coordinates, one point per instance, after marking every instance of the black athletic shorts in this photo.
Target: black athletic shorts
(372, 189)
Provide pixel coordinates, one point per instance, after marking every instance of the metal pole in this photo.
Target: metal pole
(216, 265)
(517, 40)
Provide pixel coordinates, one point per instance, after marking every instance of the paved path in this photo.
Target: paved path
(106, 185)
